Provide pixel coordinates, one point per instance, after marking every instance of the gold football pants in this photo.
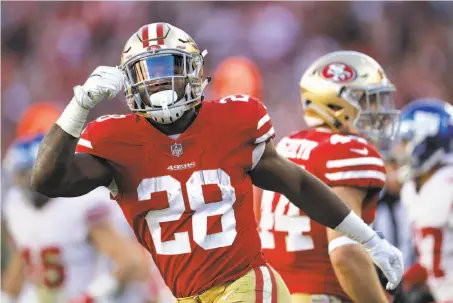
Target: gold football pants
(261, 285)
(307, 298)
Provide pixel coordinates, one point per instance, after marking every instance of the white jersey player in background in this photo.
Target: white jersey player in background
(151, 289)
(59, 241)
(427, 138)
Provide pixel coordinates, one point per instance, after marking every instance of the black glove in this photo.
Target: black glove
(398, 293)
(419, 294)
(416, 294)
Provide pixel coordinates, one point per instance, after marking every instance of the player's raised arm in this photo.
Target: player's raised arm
(319, 202)
(58, 171)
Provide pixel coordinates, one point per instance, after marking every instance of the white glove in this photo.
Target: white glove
(387, 257)
(104, 81)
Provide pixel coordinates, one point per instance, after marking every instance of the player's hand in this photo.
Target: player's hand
(388, 258)
(104, 81)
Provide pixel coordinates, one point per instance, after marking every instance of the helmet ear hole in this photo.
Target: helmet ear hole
(334, 107)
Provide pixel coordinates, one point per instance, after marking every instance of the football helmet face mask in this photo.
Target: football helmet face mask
(348, 87)
(164, 72)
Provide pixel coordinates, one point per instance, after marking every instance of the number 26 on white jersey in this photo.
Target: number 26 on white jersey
(202, 210)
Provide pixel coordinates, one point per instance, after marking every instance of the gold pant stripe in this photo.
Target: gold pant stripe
(259, 285)
(309, 298)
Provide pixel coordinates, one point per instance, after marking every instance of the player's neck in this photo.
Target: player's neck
(179, 126)
(341, 131)
(421, 180)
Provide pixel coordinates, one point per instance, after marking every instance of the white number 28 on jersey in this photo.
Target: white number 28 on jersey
(202, 210)
(291, 222)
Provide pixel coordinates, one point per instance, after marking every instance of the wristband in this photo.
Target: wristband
(354, 227)
(339, 242)
(73, 118)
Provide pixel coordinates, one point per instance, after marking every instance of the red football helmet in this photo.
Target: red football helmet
(37, 119)
(237, 75)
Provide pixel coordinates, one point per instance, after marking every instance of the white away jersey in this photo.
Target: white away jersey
(54, 241)
(430, 211)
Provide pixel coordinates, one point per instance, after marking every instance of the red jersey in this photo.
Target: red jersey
(297, 246)
(189, 199)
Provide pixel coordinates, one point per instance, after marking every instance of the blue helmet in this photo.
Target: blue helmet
(18, 162)
(22, 154)
(426, 132)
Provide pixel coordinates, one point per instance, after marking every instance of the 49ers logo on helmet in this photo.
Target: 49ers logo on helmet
(153, 47)
(338, 72)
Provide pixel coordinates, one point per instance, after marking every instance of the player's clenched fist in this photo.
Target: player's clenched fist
(388, 258)
(104, 81)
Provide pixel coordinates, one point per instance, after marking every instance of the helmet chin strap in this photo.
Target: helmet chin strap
(323, 114)
(205, 83)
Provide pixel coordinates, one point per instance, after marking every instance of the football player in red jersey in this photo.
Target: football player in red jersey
(339, 91)
(182, 169)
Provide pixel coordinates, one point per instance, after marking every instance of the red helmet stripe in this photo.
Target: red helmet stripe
(160, 33)
(145, 36)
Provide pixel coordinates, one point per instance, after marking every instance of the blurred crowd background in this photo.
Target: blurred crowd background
(49, 47)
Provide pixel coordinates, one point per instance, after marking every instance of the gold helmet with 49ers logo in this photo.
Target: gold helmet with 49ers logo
(164, 72)
(349, 88)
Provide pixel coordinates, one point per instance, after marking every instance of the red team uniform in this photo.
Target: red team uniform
(189, 199)
(295, 245)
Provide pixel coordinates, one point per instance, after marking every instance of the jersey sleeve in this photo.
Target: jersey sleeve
(91, 139)
(351, 161)
(260, 129)
(262, 123)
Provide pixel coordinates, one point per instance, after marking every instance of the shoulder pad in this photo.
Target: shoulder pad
(105, 129)
(350, 161)
(250, 113)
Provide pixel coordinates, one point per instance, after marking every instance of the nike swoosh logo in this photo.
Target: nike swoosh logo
(362, 151)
